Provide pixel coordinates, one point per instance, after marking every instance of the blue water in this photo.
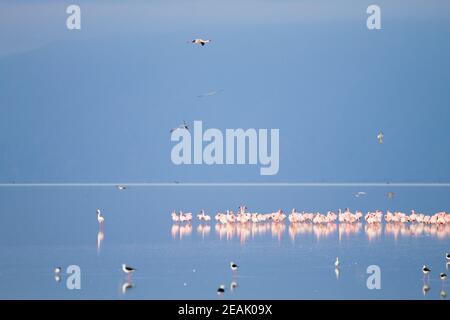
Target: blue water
(41, 228)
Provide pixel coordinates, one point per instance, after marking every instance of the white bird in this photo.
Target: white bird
(58, 270)
(233, 266)
(209, 94)
(426, 270)
(337, 263)
(380, 137)
(391, 195)
(100, 218)
(360, 194)
(127, 269)
(443, 276)
(233, 285)
(120, 187)
(447, 256)
(221, 289)
(183, 126)
(200, 41)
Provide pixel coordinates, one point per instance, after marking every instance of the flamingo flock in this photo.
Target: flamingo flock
(342, 216)
(182, 217)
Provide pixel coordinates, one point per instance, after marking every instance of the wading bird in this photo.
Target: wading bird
(221, 289)
(426, 271)
(100, 218)
(128, 270)
(337, 263)
(380, 137)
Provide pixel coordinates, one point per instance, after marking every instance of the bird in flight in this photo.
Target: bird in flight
(360, 194)
(380, 137)
(200, 41)
(183, 126)
(209, 94)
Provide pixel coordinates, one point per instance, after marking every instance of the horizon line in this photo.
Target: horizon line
(227, 184)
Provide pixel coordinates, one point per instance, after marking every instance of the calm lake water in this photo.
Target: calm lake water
(41, 228)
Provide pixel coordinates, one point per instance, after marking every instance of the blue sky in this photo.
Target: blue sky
(96, 105)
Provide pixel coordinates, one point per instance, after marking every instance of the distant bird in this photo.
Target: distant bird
(380, 137)
(426, 271)
(57, 278)
(337, 263)
(443, 294)
(447, 256)
(360, 194)
(443, 278)
(100, 218)
(120, 187)
(200, 41)
(391, 195)
(209, 94)
(233, 266)
(175, 217)
(127, 269)
(183, 126)
(221, 289)
(233, 285)
(57, 270)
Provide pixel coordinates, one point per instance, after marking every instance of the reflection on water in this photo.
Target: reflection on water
(347, 229)
(100, 238)
(181, 231)
(127, 285)
(203, 230)
(233, 285)
(337, 272)
(425, 289)
(319, 230)
(373, 231)
(417, 229)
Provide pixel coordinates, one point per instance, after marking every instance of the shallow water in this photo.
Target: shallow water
(41, 228)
